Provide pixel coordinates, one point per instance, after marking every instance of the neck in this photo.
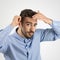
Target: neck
(20, 33)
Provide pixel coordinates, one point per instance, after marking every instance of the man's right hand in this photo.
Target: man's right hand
(16, 21)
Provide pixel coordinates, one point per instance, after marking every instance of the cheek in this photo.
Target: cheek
(27, 29)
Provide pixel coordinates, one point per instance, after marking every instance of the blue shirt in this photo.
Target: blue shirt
(14, 47)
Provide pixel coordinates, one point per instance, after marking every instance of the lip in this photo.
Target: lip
(31, 33)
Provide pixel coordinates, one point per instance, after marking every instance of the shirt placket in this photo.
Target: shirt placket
(27, 47)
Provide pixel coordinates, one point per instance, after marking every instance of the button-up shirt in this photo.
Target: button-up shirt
(15, 47)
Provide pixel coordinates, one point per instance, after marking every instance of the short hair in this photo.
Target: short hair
(27, 13)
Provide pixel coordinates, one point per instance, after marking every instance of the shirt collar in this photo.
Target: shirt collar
(25, 40)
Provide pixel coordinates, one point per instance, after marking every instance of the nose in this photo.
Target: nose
(32, 29)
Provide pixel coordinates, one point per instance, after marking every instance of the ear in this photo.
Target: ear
(19, 20)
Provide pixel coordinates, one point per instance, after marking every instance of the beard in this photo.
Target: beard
(27, 34)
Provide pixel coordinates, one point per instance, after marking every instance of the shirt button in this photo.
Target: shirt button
(27, 54)
(26, 46)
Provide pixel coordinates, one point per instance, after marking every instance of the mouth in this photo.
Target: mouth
(31, 33)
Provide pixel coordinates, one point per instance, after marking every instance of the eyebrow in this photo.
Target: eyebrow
(31, 23)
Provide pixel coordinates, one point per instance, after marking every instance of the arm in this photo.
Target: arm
(42, 17)
(5, 33)
(1, 30)
(9, 28)
(49, 34)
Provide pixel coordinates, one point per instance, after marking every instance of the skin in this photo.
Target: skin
(42, 17)
(16, 21)
(28, 27)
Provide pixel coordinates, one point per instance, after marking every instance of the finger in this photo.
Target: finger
(38, 11)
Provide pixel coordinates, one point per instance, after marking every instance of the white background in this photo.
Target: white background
(50, 8)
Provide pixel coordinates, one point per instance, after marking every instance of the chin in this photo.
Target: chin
(28, 37)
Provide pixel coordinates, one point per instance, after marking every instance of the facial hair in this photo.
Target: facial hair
(30, 32)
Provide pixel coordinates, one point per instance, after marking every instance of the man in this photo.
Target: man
(24, 43)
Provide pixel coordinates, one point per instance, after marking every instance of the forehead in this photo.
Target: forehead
(31, 20)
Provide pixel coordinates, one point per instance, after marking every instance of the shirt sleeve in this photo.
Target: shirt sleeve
(3, 35)
(3, 45)
(4, 32)
(51, 34)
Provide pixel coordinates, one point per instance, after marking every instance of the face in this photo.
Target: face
(28, 27)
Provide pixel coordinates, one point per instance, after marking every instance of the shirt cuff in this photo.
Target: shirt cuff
(55, 23)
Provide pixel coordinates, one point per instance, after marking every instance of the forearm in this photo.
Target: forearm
(47, 20)
(54, 24)
(42, 17)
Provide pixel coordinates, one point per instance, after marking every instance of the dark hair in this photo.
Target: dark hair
(27, 13)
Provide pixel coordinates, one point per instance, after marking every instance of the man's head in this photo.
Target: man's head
(28, 24)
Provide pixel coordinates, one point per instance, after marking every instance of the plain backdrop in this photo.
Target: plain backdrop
(50, 8)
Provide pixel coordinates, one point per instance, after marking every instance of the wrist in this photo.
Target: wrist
(13, 25)
(48, 21)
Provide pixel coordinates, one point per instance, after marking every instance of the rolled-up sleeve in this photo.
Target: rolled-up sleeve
(4, 32)
(51, 34)
(3, 36)
(56, 27)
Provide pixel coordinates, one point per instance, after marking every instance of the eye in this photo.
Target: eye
(28, 24)
(35, 24)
